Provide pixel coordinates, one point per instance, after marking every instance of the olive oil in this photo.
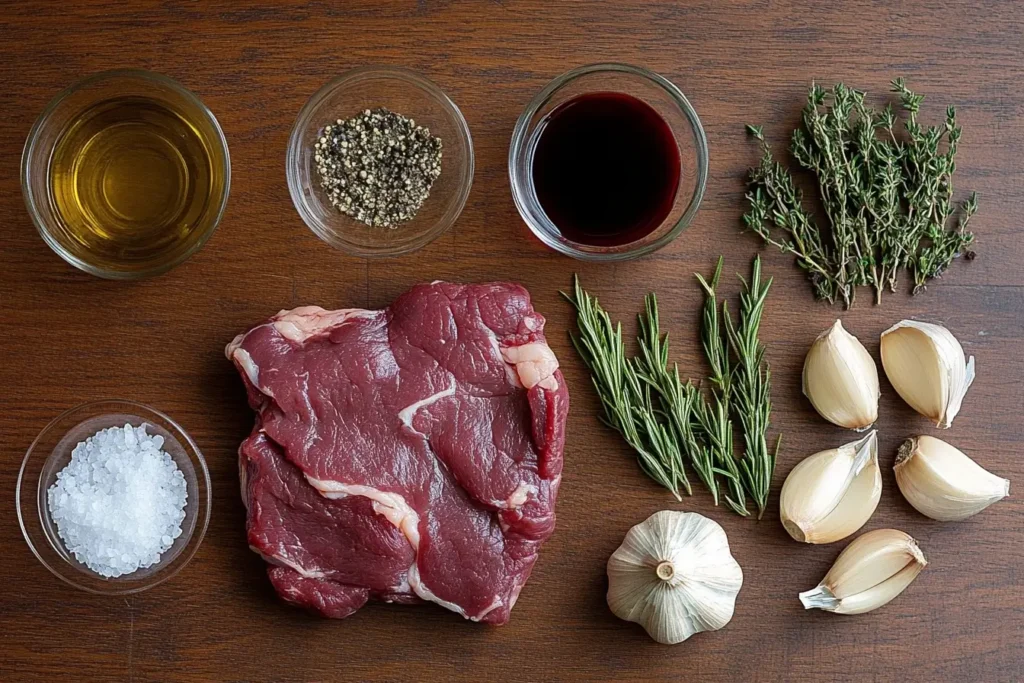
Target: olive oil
(136, 184)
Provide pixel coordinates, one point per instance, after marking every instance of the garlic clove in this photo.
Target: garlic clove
(925, 364)
(870, 572)
(841, 380)
(854, 510)
(942, 482)
(879, 595)
(833, 493)
(674, 575)
(869, 560)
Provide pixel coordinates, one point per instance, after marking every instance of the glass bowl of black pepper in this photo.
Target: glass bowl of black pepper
(380, 162)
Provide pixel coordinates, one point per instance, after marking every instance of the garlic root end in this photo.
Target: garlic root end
(819, 597)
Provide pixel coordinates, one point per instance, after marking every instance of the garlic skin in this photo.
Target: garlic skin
(942, 482)
(674, 575)
(841, 380)
(925, 364)
(870, 572)
(832, 494)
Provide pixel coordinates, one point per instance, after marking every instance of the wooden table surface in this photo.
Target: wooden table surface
(69, 338)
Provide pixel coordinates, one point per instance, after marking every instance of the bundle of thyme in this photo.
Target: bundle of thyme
(671, 423)
(888, 195)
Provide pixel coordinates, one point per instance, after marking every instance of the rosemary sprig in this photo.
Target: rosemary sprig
(888, 195)
(751, 388)
(713, 415)
(625, 400)
(668, 421)
(680, 402)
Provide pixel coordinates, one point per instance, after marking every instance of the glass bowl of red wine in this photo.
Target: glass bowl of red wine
(608, 162)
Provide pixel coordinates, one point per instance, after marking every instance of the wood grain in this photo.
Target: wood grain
(68, 337)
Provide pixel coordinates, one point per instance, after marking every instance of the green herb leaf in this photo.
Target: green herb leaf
(678, 401)
(626, 400)
(667, 420)
(887, 194)
(751, 388)
(713, 415)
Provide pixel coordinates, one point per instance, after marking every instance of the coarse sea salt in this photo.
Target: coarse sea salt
(118, 505)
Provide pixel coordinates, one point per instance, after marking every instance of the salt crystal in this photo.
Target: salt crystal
(118, 505)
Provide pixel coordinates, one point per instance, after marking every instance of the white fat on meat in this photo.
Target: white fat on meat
(425, 593)
(510, 370)
(391, 506)
(535, 364)
(495, 604)
(407, 413)
(518, 497)
(416, 583)
(243, 479)
(299, 324)
(245, 361)
(394, 508)
(291, 564)
(233, 345)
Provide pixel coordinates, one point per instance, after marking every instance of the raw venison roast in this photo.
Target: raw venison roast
(407, 454)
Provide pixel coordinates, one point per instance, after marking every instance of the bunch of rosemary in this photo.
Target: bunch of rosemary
(888, 195)
(670, 423)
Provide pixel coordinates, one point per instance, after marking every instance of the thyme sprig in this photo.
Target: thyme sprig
(887, 194)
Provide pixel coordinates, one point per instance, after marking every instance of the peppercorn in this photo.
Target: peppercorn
(378, 166)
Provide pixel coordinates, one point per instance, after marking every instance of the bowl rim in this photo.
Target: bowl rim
(526, 201)
(202, 477)
(303, 119)
(32, 140)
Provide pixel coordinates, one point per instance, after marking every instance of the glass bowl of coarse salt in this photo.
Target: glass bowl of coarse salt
(380, 162)
(113, 497)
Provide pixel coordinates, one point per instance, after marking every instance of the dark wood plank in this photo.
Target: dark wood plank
(68, 337)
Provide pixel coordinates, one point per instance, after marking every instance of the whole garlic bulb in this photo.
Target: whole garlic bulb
(926, 365)
(674, 575)
(841, 379)
(831, 494)
(942, 482)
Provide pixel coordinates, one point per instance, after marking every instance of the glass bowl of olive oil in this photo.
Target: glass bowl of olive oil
(126, 174)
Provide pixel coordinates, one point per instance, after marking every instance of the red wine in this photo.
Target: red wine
(606, 169)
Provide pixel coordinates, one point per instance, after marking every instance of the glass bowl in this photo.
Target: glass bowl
(671, 105)
(403, 92)
(55, 120)
(51, 452)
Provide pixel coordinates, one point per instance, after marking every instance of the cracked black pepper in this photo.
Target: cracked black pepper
(377, 167)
